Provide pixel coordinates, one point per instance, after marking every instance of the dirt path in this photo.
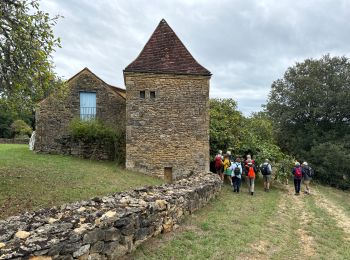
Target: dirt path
(282, 224)
(342, 220)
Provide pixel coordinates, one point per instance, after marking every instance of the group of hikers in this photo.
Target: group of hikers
(238, 169)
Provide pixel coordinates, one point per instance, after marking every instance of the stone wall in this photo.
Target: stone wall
(53, 115)
(14, 141)
(96, 150)
(107, 227)
(171, 130)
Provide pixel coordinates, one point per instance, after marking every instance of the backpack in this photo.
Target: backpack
(236, 170)
(251, 172)
(265, 169)
(297, 173)
(218, 162)
(309, 171)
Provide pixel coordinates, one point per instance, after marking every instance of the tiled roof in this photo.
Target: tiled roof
(165, 53)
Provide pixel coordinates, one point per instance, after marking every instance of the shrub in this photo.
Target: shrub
(21, 128)
(95, 131)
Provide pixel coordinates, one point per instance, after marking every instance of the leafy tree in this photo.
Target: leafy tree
(310, 105)
(26, 45)
(230, 130)
(225, 125)
(21, 128)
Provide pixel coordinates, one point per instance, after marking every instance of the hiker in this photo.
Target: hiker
(236, 169)
(297, 172)
(266, 171)
(250, 169)
(230, 157)
(227, 170)
(307, 172)
(219, 165)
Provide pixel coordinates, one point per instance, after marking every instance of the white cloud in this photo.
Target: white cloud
(245, 44)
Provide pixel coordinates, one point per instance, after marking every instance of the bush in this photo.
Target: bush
(94, 131)
(21, 128)
(331, 164)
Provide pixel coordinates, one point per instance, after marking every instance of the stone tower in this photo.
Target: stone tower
(167, 109)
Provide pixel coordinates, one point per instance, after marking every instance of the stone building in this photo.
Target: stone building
(88, 97)
(167, 109)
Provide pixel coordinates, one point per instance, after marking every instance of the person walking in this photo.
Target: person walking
(297, 173)
(251, 172)
(219, 165)
(307, 172)
(236, 169)
(266, 171)
(227, 170)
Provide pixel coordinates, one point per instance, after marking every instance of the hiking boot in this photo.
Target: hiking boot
(252, 193)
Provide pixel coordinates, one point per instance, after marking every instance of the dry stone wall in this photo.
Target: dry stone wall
(107, 227)
(169, 129)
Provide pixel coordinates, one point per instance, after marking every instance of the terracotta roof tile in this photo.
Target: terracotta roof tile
(165, 53)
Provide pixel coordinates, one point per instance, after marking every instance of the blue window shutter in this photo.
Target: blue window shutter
(87, 105)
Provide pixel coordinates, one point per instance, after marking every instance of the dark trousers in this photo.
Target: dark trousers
(297, 185)
(236, 183)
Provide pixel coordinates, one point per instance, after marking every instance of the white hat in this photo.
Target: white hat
(228, 152)
(305, 163)
(297, 163)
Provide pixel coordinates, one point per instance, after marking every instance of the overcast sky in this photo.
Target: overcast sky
(245, 44)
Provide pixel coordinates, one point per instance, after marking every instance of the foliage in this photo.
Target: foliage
(26, 42)
(96, 131)
(230, 130)
(225, 125)
(309, 106)
(21, 128)
(331, 161)
(91, 130)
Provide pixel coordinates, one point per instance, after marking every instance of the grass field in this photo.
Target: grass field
(30, 181)
(274, 225)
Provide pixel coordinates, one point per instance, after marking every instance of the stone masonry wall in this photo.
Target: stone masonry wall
(107, 227)
(53, 116)
(170, 130)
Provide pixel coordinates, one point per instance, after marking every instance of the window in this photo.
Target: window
(142, 94)
(152, 94)
(87, 105)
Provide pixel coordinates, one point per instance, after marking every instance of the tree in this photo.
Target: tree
(225, 125)
(310, 105)
(21, 129)
(230, 130)
(26, 45)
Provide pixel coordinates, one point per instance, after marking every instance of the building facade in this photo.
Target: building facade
(167, 109)
(88, 97)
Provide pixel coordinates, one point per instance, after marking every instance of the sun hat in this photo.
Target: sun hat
(305, 163)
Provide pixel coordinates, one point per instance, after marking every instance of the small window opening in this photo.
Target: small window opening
(142, 94)
(152, 94)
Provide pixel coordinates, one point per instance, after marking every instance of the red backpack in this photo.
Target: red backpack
(297, 173)
(218, 162)
(251, 172)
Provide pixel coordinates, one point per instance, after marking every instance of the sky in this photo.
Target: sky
(245, 44)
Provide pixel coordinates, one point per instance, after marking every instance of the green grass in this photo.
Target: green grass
(30, 181)
(330, 239)
(222, 230)
(339, 197)
(265, 226)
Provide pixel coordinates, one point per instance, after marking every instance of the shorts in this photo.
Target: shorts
(307, 182)
(218, 170)
(228, 172)
(267, 178)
